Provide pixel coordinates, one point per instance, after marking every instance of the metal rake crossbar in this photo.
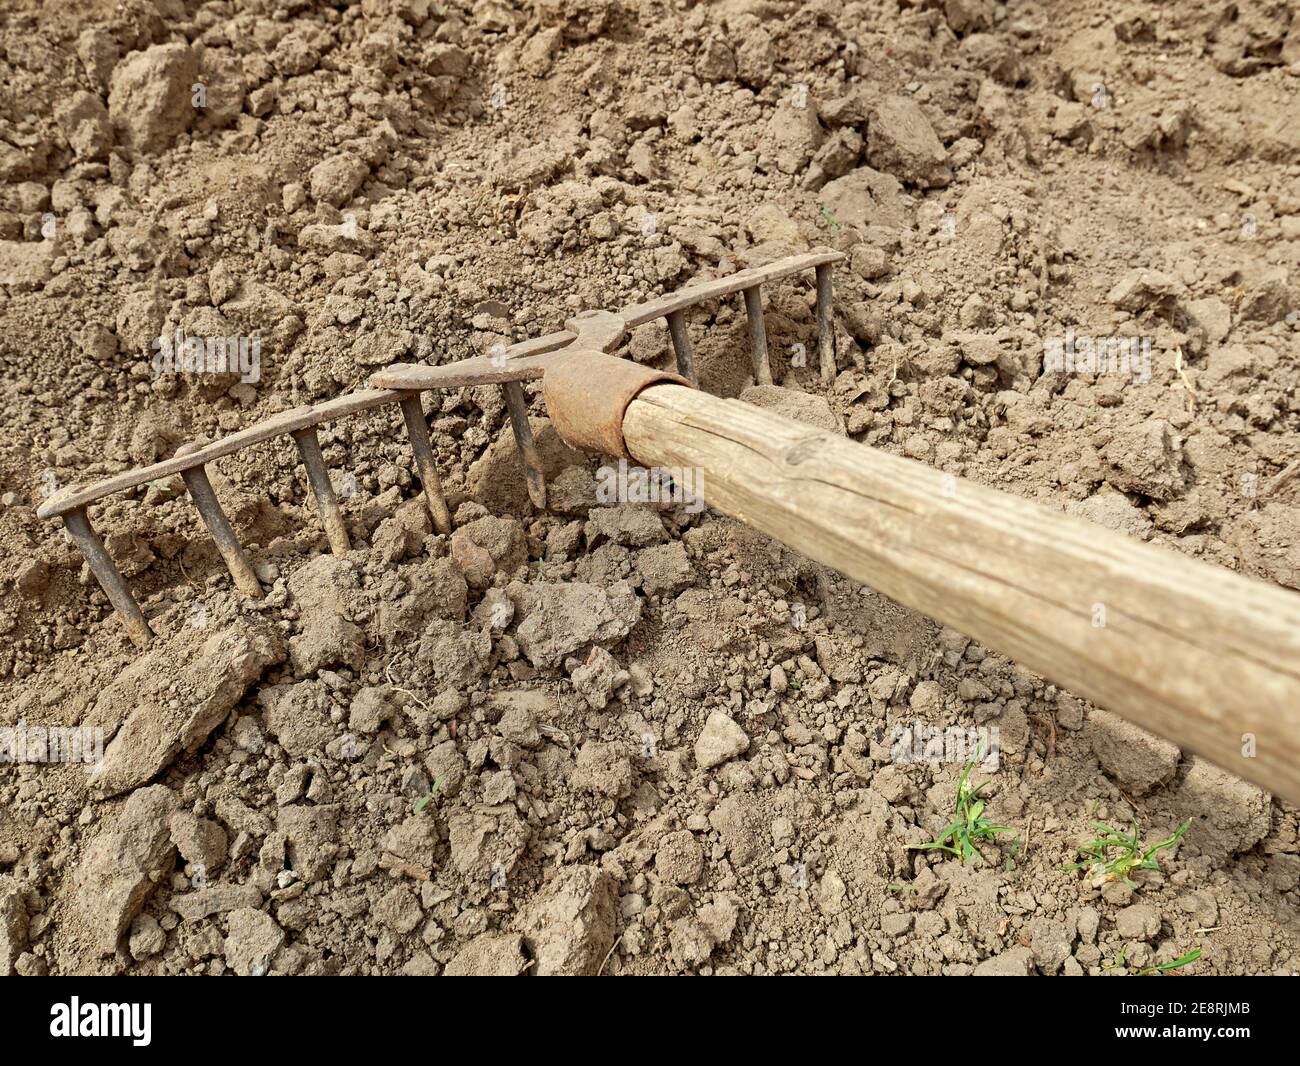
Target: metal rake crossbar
(597, 331)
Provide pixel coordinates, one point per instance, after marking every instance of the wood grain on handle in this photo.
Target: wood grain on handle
(1188, 650)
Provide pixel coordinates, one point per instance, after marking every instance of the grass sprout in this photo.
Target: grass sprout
(1129, 854)
(1169, 967)
(968, 824)
(424, 801)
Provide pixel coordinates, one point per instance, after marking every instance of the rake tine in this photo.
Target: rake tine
(110, 579)
(205, 499)
(825, 323)
(757, 336)
(418, 431)
(319, 479)
(682, 346)
(533, 471)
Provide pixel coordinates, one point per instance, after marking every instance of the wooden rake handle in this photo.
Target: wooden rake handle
(1185, 649)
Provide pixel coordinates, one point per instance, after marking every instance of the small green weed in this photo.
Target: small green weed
(424, 801)
(1131, 855)
(968, 824)
(1167, 967)
(1160, 968)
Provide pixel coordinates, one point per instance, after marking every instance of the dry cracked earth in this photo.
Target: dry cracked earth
(621, 738)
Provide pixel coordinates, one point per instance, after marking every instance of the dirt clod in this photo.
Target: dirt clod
(1137, 760)
(570, 927)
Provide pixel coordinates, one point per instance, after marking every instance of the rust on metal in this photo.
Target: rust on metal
(585, 399)
(318, 476)
(223, 533)
(597, 331)
(825, 323)
(479, 370)
(417, 430)
(703, 291)
(587, 394)
(682, 346)
(534, 473)
(757, 336)
(107, 574)
(275, 426)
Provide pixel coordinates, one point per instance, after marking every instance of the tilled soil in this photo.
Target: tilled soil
(622, 738)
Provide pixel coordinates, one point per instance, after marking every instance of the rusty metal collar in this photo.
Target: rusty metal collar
(587, 394)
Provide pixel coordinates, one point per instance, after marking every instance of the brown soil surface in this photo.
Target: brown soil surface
(661, 742)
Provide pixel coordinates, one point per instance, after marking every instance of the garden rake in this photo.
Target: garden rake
(1191, 651)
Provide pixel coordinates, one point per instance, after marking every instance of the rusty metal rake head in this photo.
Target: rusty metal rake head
(586, 394)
